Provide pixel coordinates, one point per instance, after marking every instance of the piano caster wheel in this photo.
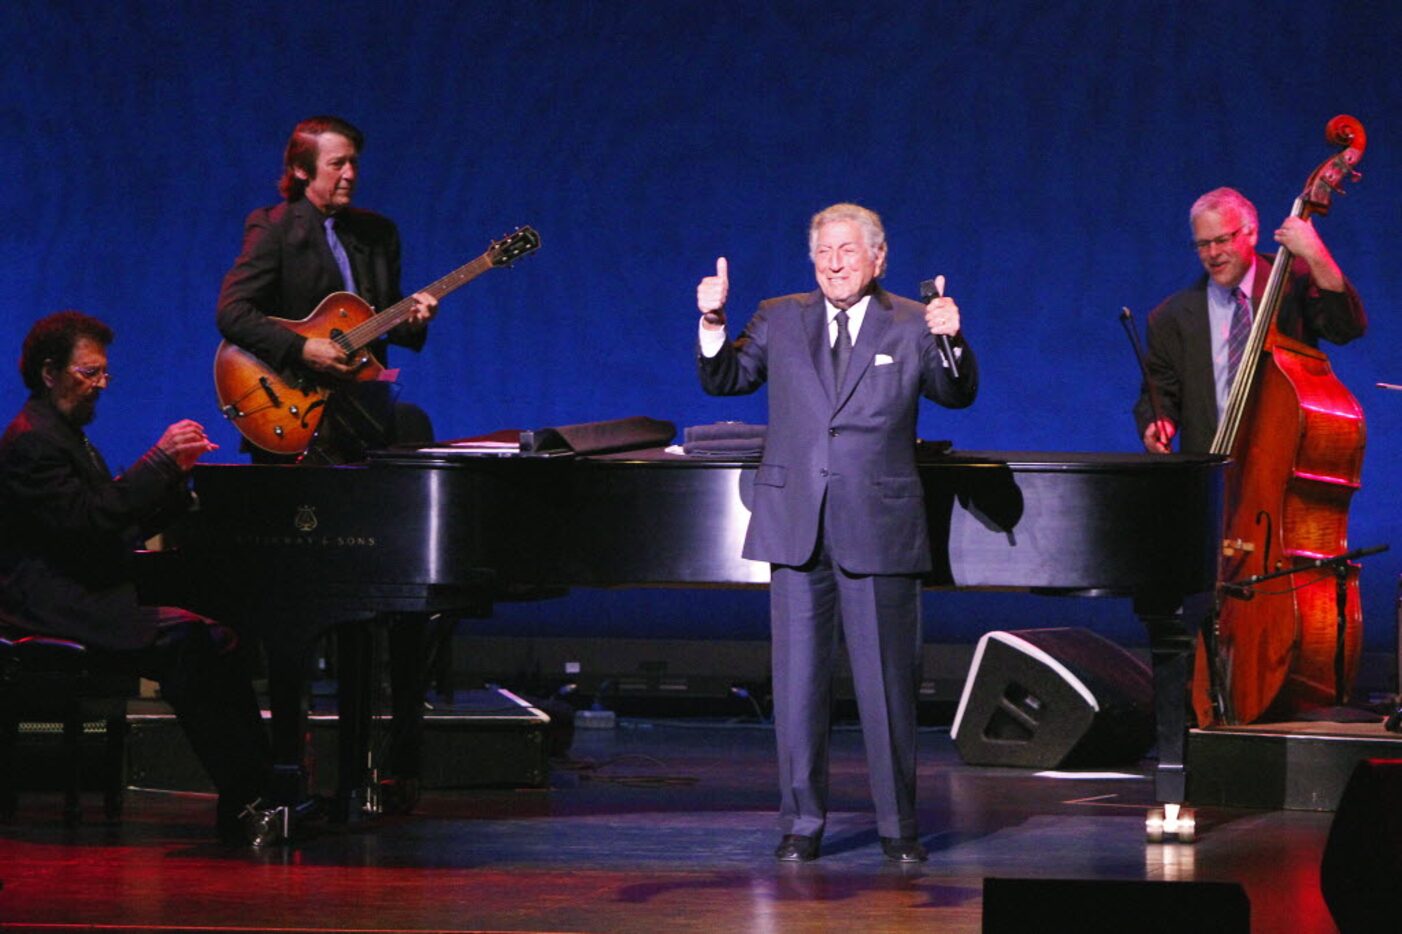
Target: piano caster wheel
(1172, 821)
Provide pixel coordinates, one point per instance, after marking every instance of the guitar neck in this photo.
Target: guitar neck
(377, 325)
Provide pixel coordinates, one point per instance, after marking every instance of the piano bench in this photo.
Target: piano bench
(53, 688)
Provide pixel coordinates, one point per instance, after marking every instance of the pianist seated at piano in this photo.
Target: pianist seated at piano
(67, 547)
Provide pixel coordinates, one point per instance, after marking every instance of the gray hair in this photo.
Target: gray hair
(1219, 200)
(865, 218)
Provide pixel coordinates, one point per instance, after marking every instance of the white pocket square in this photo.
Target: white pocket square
(882, 359)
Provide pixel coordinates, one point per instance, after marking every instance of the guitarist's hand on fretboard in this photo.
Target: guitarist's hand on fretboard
(326, 356)
(425, 307)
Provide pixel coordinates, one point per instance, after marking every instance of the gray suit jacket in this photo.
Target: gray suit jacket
(856, 446)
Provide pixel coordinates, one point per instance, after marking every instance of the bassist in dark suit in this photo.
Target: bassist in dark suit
(1190, 333)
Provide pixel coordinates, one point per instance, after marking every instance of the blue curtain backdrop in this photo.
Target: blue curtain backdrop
(1042, 156)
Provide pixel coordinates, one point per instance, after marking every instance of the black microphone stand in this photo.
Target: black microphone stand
(1338, 565)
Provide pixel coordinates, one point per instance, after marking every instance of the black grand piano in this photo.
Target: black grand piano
(291, 551)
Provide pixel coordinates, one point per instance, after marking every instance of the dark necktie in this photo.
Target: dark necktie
(841, 350)
(95, 457)
(339, 253)
(1239, 331)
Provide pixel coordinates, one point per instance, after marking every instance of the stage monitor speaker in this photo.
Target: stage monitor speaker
(1053, 698)
(1363, 858)
(1103, 906)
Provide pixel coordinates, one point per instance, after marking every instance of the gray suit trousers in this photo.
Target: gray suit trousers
(879, 617)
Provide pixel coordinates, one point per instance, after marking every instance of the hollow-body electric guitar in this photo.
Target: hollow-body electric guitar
(280, 411)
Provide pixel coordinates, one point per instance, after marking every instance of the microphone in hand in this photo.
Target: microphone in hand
(930, 290)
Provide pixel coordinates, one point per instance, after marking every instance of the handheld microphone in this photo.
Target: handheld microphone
(931, 289)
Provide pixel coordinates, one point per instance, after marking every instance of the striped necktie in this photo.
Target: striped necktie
(1239, 331)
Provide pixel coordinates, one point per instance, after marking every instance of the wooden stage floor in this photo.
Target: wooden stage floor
(652, 826)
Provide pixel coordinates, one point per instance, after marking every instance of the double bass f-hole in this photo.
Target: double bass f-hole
(1242, 549)
(1264, 516)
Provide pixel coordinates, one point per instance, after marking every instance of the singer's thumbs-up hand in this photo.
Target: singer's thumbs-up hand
(711, 294)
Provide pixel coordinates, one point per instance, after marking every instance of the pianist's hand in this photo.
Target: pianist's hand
(711, 294)
(1158, 437)
(185, 442)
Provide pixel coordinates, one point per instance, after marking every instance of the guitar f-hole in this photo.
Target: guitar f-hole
(310, 409)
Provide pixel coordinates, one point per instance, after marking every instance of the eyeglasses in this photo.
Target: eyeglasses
(1223, 240)
(93, 374)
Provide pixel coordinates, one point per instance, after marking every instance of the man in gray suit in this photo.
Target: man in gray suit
(838, 508)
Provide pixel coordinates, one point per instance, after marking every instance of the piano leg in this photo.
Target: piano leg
(289, 667)
(287, 702)
(1172, 625)
(414, 643)
(358, 784)
(355, 782)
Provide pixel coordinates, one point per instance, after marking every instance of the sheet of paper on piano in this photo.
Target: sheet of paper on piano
(478, 448)
(504, 443)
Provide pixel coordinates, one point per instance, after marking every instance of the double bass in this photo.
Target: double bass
(1296, 438)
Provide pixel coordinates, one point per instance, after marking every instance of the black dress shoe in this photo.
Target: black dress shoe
(903, 849)
(796, 848)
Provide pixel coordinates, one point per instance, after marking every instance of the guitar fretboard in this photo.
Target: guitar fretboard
(377, 325)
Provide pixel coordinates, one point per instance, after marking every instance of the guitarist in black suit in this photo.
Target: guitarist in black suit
(295, 254)
(310, 245)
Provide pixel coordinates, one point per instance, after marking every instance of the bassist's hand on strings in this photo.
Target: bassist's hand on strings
(326, 356)
(1158, 436)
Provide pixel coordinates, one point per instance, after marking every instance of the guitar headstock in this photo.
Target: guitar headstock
(513, 246)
